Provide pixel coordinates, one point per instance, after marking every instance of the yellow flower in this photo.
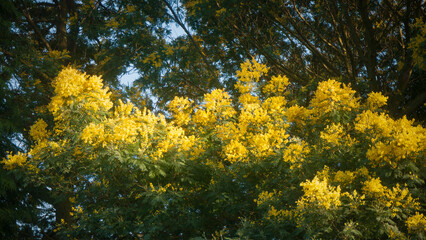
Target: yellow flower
(395, 198)
(371, 121)
(235, 152)
(335, 134)
(345, 177)
(181, 108)
(259, 144)
(253, 114)
(124, 129)
(218, 102)
(249, 75)
(374, 186)
(93, 134)
(266, 196)
(123, 109)
(74, 88)
(228, 131)
(251, 71)
(318, 193)
(332, 134)
(392, 140)
(38, 130)
(417, 223)
(297, 114)
(11, 161)
(203, 118)
(295, 153)
(376, 100)
(69, 82)
(247, 98)
(274, 105)
(277, 85)
(332, 95)
(278, 136)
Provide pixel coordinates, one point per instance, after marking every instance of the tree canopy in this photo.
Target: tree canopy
(266, 120)
(368, 44)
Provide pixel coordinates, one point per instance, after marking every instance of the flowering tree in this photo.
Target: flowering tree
(251, 165)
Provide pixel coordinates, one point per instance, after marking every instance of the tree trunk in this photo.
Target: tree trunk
(63, 210)
(371, 53)
(61, 26)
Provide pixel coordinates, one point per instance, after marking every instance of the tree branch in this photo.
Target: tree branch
(317, 34)
(200, 51)
(414, 104)
(37, 30)
(301, 37)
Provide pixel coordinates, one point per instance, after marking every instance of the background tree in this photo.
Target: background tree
(364, 43)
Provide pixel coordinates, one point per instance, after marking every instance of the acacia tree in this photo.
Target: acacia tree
(209, 166)
(99, 37)
(38, 38)
(364, 43)
(257, 166)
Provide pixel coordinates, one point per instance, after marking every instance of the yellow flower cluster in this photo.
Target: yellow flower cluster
(297, 114)
(14, 160)
(395, 198)
(228, 131)
(277, 85)
(216, 107)
(93, 134)
(249, 75)
(335, 134)
(417, 223)
(174, 138)
(376, 100)
(260, 145)
(275, 106)
(249, 128)
(371, 122)
(130, 126)
(235, 152)
(216, 100)
(203, 117)
(266, 196)
(253, 115)
(345, 177)
(374, 186)
(163, 189)
(38, 130)
(77, 210)
(283, 214)
(356, 199)
(181, 109)
(318, 193)
(332, 95)
(392, 140)
(74, 88)
(126, 124)
(295, 153)
(123, 127)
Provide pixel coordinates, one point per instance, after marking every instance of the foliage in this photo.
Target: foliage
(250, 165)
(373, 45)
